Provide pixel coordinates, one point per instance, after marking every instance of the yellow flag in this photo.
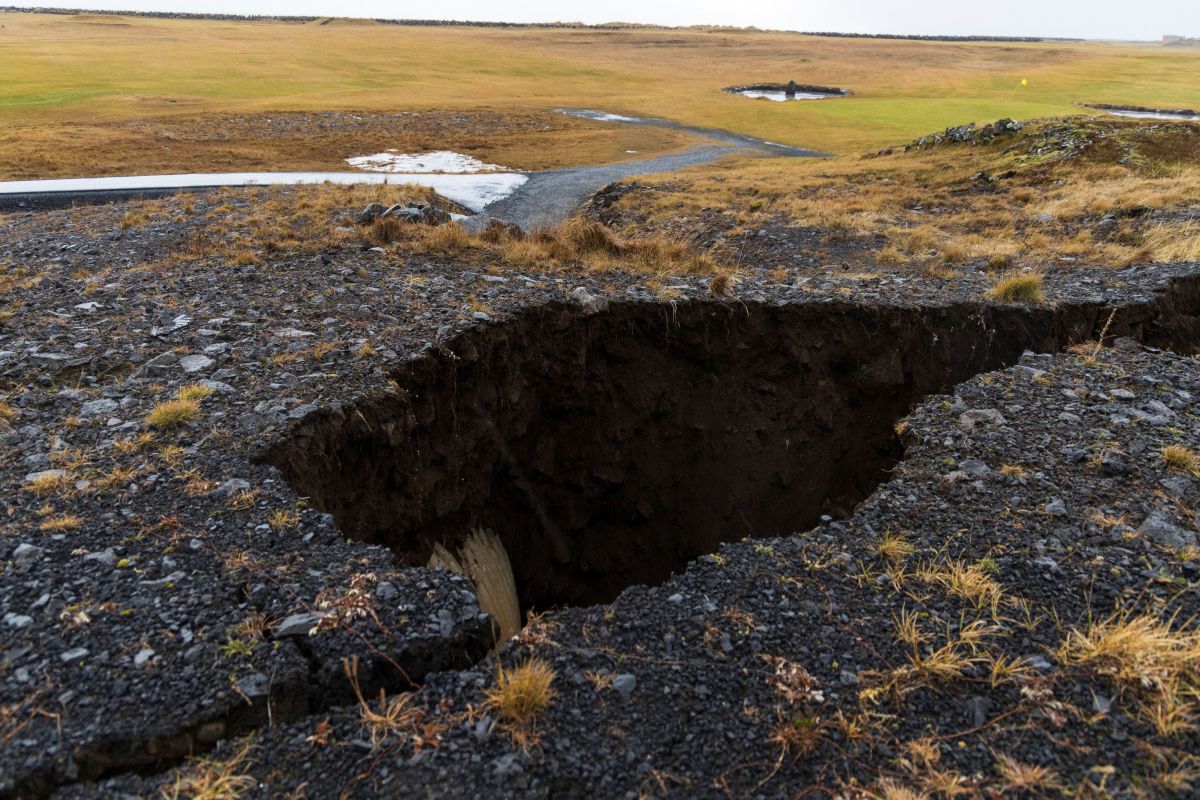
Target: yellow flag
(1024, 81)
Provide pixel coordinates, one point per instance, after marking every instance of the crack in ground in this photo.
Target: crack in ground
(609, 449)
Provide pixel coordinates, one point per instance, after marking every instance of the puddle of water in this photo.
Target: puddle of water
(599, 116)
(1120, 112)
(471, 191)
(780, 96)
(437, 161)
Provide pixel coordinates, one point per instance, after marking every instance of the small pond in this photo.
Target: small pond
(1138, 112)
(782, 92)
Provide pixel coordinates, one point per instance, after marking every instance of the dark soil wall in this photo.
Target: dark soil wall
(610, 449)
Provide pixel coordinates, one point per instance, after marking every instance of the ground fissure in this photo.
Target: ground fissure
(608, 449)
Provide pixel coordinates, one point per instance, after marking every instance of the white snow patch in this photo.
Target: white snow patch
(472, 191)
(436, 161)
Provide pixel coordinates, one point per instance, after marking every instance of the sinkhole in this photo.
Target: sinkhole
(609, 449)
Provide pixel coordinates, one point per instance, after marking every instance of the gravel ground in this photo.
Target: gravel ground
(165, 592)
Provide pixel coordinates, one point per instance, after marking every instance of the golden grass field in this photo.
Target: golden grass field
(931, 214)
(73, 86)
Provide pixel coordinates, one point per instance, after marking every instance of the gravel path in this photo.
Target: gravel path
(550, 197)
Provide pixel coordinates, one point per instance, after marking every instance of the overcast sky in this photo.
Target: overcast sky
(1092, 19)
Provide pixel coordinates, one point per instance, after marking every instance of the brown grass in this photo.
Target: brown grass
(721, 284)
(173, 413)
(212, 779)
(49, 483)
(1043, 212)
(65, 522)
(485, 561)
(1018, 287)
(445, 240)
(385, 230)
(894, 547)
(1181, 458)
(194, 392)
(1153, 660)
(970, 582)
(521, 693)
(1178, 242)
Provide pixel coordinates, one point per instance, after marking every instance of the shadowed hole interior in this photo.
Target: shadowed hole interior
(609, 449)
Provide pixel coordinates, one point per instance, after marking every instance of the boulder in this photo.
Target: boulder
(435, 216)
(371, 213)
(405, 214)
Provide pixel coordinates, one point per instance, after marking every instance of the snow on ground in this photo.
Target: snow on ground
(472, 191)
(436, 161)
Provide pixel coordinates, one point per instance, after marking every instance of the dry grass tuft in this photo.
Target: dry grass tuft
(889, 789)
(446, 239)
(1136, 651)
(580, 235)
(890, 255)
(894, 547)
(1025, 777)
(7, 412)
(521, 693)
(210, 779)
(721, 284)
(194, 392)
(385, 230)
(970, 582)
(49, 481)
(283, 519)
(1152, 659)
(1181, 458)
(173, 413)
(1014, 471)
(1178, 242)
(64, 522)
(1018, 287)
(394, 717)
(183, 409)
(582, 243)
(930, 666)
(484, 560)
